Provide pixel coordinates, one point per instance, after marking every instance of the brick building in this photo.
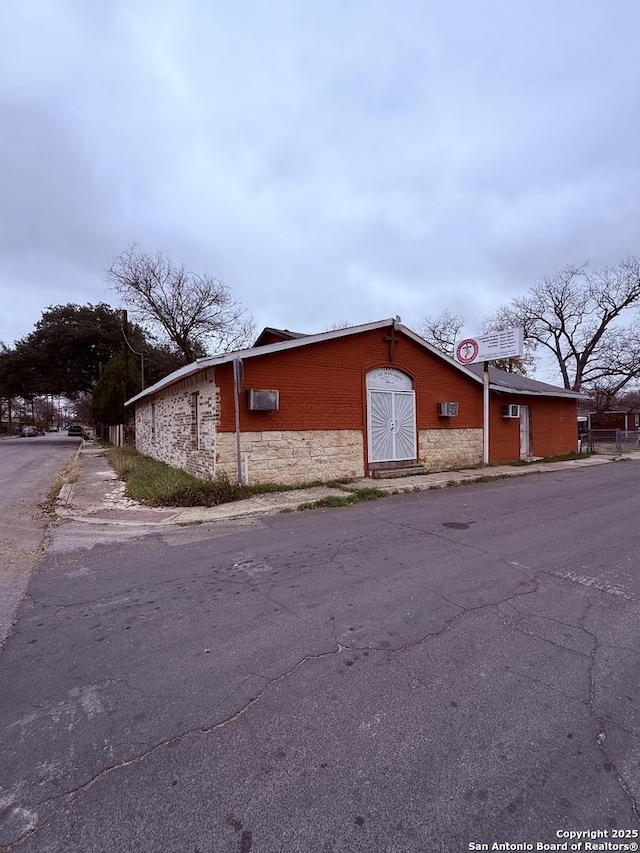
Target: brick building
(624, 419)
(346, 403)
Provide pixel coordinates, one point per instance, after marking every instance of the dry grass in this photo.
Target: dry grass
(67, 474)
(355, 497)
(156, 484)
(123, 460)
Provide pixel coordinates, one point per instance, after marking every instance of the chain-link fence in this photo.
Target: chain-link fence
(610, 440)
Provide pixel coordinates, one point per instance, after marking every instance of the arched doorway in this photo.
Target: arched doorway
(391, 416)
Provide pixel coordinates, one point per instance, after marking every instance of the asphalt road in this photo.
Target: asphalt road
(423, 673)
(27, 467)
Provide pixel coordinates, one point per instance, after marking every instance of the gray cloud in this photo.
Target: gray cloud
(326, 160)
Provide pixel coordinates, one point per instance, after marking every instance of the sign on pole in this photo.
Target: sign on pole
(505, 344)
(497, 345)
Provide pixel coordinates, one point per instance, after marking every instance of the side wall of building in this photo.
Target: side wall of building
(178, 425)
(553, 427)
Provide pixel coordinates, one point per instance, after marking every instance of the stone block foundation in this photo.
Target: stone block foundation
(293, 456)
(441, 449)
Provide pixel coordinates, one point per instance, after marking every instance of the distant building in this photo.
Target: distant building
(615, 419)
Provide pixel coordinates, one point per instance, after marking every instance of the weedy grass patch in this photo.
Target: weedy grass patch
(568, 457)
(155, 483)
(565, 457)
(68, 473)
(348, 499)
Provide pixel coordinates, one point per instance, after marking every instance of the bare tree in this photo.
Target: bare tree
(630, 400)
(575, 315)
(339, 324)
(442, 331)
(195, 312)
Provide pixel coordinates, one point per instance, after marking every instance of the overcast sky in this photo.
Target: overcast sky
(328, 160)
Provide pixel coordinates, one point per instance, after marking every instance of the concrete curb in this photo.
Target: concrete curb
(143, 516)
(105, 504)
(66, 493)
(446, 479)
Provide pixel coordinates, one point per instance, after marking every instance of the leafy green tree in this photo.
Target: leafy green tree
(76, 348)
(68, 348)
(115, 385)
(8, 384)
(122, 379)
(159, 361)
(7, 371)
(20, 383)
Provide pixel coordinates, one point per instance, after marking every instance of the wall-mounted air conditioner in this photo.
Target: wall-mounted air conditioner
(447, 410)
(511, 411)
(262, 400)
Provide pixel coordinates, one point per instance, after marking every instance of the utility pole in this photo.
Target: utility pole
(125, 332)
(125, 329)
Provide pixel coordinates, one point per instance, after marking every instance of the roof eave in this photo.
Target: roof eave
(256, 352)
(527, 392)
(307, 340)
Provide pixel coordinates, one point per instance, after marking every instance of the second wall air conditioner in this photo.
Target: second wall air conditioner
(511, 411)
(448, 410)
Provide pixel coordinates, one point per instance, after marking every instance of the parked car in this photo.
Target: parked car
(77, 430)
(53, 429)
(29, 432)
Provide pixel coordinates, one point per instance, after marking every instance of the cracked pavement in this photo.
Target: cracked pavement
(411, 674)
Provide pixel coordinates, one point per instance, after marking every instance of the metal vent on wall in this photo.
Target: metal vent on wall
(262, 400)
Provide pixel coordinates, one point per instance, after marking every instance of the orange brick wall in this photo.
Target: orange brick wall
(322, 386)
(553, 427)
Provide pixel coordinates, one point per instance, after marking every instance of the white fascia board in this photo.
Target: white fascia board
(255, 352)
(525, 392)
(170, 379)
(296, 343)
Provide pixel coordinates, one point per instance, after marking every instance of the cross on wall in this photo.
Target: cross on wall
(392, 340)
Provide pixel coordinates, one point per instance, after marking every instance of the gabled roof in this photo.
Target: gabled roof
(283, 334)
(497, 381)
(294, 343)
(514, 383)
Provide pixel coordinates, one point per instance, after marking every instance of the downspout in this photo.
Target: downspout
(238, 377)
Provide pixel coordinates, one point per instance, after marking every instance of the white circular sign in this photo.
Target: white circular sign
(467, 351)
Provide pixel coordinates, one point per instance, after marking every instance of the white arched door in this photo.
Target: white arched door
(391, 416)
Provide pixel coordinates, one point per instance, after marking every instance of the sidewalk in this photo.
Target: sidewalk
(98, 496)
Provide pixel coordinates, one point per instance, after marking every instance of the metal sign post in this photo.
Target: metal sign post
(485, 413)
